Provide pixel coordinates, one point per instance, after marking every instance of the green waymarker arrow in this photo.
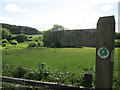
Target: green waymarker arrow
(103, 52)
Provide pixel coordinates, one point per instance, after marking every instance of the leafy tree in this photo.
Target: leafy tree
(50, 41)
(58, 28)
(5, 33)
(21, 38)
(117, 35)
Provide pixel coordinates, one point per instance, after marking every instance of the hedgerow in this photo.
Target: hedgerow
(42, 73)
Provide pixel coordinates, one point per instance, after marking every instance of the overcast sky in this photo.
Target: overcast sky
(43, 14)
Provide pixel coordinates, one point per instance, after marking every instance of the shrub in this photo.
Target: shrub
(40, 44)
(30, 37)
(4, 41)
(19, 72)
(117, 35)
(36, 40)
(13, 42)
(5, 33)
(41, 73)
(50, 41)
(31, 74)
(40, 38)
(29, 40)
(117, 43)
(4, 44)
(12, 37)
(21, 38)
(0, 43)
(32, 44)
(44, 74)
(7, 68)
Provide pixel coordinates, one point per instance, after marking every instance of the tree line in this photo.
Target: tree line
(48, 40)
(14, 29)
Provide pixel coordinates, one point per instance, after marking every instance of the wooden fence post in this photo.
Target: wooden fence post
(119, 41)
(105, 52)
(88, 80)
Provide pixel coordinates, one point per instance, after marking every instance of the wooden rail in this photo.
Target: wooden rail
(49, 85)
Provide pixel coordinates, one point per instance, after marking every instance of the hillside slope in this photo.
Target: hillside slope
(14, 29)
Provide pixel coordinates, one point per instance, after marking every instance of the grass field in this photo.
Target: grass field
(65, 65)
(74, 59)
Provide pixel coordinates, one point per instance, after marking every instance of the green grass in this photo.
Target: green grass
(74, 59)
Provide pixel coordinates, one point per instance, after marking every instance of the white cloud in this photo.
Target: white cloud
(73, 14)
(4, 19)
(12, 8)
(107, 7)
(24, 10)
(96, 2)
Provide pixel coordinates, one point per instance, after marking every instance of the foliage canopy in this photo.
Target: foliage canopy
(21, 38)
(5, 33)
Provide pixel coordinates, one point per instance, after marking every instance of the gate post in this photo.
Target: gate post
(105, 52)
(88, 80)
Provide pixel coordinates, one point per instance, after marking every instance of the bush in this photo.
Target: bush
(29, 40)
(19, 72)
(12, 37)
(32, 44)
(117, 43)
(36, 40)
(0, 43)
(41, 73)
(4, 44)
(50, 41)
(5, 33)
(30, 37)
(117, 35)
(31, 74)
(40, 44)
(4, 41)
(21, 38)
(40, 38)
(44, 74)
(13, 42)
